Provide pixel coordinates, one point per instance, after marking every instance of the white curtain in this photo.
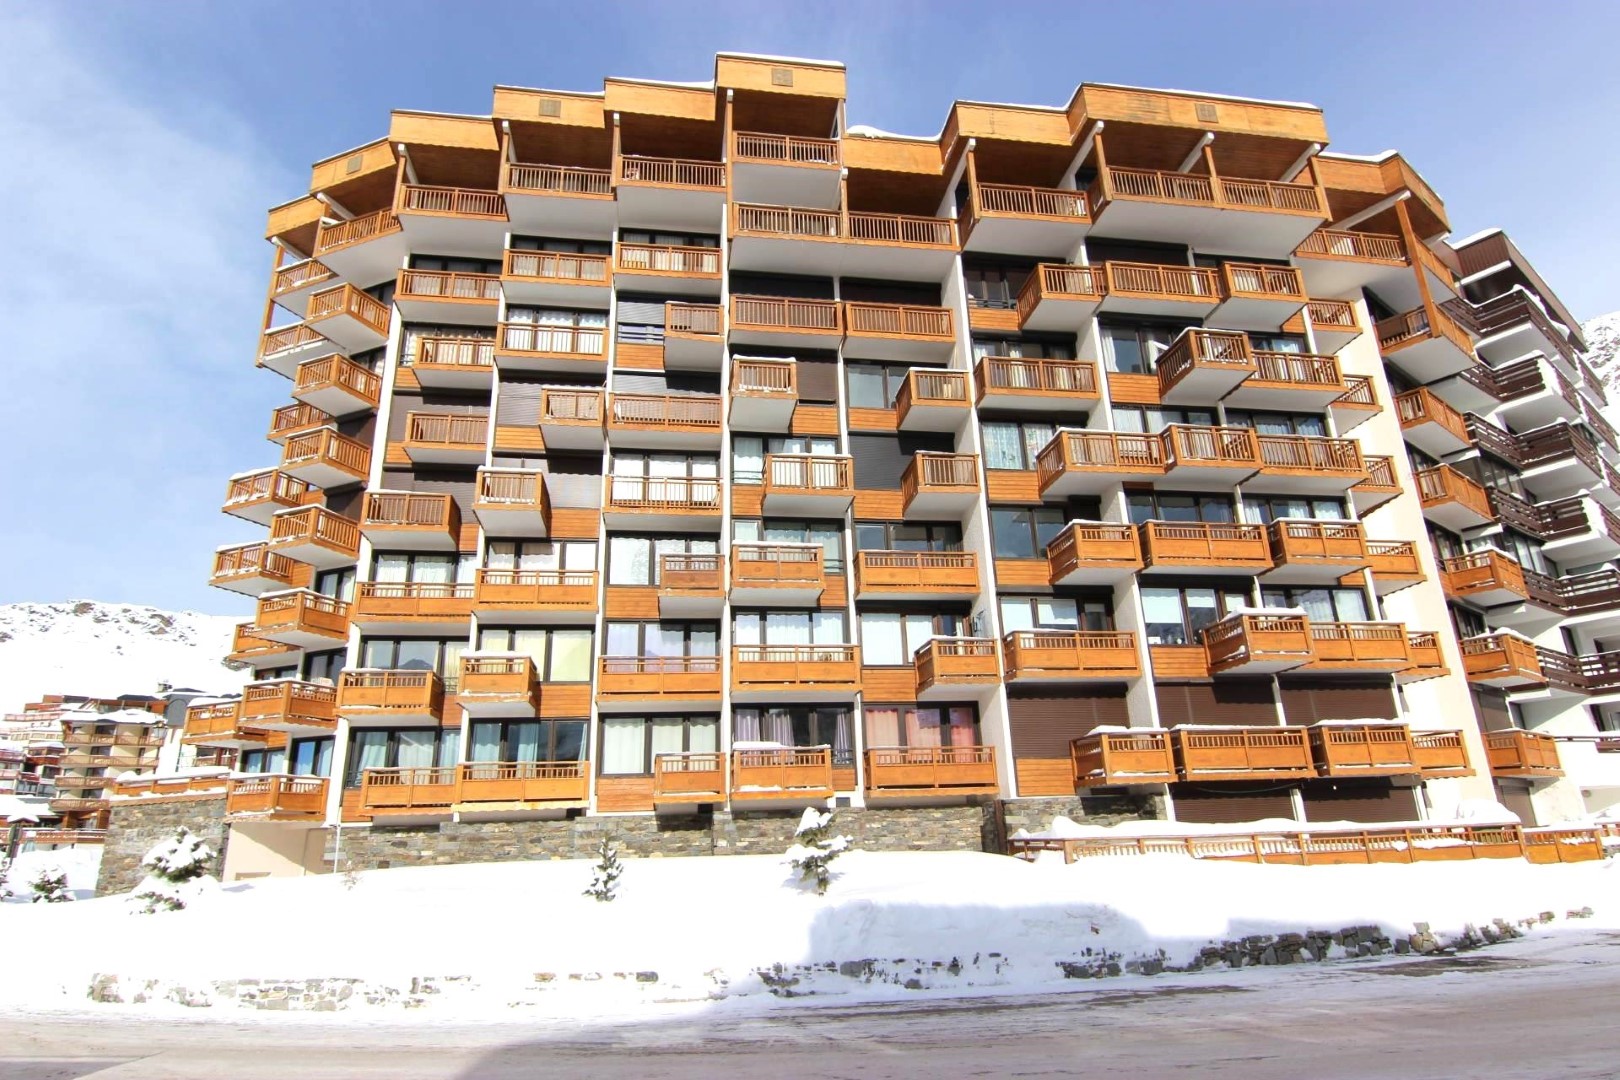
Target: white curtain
(882, 639)
(624, 743)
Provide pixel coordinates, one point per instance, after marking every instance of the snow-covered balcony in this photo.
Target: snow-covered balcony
(259, 495)
(764, 393)
(413, 607)
(1506, 661)
(781, 775)
(317, 536)
(337, 385)
(636, 683)
(694, 336)
(929, 773)
(1205, 547)
(1094, 553)
(956, 667)
(573, 419)
(251, 569)
(693, 585)
(277, 798)
(1307, 552)
(512, 502)
(916, 575)
(1487, 578)
(410, 521)
(302, 617)
(1253, 754)
(1527, 755)
(1363, 749)
(1063, 656)
(498, 685)
(382, 696)
(220, 724)
(673, 193)
(1122, 757)
(291, 705)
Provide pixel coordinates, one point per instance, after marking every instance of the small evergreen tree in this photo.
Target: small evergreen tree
(605, 881)
(815, 847)
(170, 865)
(51, 887)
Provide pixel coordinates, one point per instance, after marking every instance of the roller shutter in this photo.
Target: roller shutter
(1515, 795)
(518, 403)
(889, 292)
(880, 460)
(1229, 701)
(1492, 707)
(1208, 806)
(1044, 721)
(799, 288)
(1358, 800)
(818, 380)
(1305, 701)
(459, 484)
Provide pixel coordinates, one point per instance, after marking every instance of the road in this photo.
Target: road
(1531, 1009)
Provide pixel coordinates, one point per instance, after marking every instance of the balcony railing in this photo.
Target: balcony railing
(1343, 244)
(1253, 754)
(453, 352)
(296, 418)
(1071, 654)
(1311, 454)
(317, 526)
(348, 300)
(1189, 283)
(788, 566)
(1082, 545)
(499, 590)
(1442, 485)
(556, 266)
(1501, 659)
(897, 320)
(277, 796)
(445, 285)
(584, 341)
(1205, 544)
(1357, 750)
(664, 413)
(1398, 331)
(408, 789)
(1157, 185)
(1022, 200)
(1359, 646)
(671, 172)
(288, 704)
(341, 372)
(793, 316)
(253, 561)
(1257, 642)
(416, 510)
(654, 493)
(902, 229)
(771, 378)
(356, 231)
(446, 430)
(818, 474)
(1196, 349)
(582, 407)
(557, 180)
(413, 601)
(302, 611)
(1423, 406)
(1257, 280)
(939, 473)
(327, 447)
(930, 770)
(917, 571)
(1134, 757)
(382, 692)
(1100, 451)
(658, 678)
(1522, 753)
(699, 777)
(451, 201)
(1441, 753)
(692, 320)
(522, 782)
(790, 669)
(784, 149)
(1486, 571)
(299, 275)
(668, 259)
(804, 772)
(1000, 374)
(956, 662)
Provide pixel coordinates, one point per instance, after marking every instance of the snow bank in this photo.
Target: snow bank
(81, 864)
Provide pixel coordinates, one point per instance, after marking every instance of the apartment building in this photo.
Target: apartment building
(677, 449)
(73, 747)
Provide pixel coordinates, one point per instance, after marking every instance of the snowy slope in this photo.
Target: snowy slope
(85, 647)
(1603, 339)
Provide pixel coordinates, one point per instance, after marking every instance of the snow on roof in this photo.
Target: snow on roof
(1475, 237)
(697, 84)
(1205, 94)
(1015, 105)
(783, 59)
(1382, 155)
(866, 131)
(129, 716)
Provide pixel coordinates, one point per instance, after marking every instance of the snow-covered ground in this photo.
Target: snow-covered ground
(522, 936)
(81, 864)
(85, 647)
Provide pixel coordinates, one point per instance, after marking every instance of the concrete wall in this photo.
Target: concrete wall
(137, 825)
(265, 849)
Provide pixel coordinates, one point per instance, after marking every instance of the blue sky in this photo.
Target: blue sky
(144, 143)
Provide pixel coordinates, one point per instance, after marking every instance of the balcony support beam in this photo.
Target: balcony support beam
(1299, 163)
(1079, 158)
(1197, 152)
(1370, 212)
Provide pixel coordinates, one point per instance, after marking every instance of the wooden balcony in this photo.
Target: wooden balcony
(956, 667)
(428, 792)
(221, 724)
(410, 521)
(251, 569)
(1451, 500)
(785, 169)
(1339, 262)
(337, 386)
(669, 191)
(903, 772)
(771, 575)
(814, 485)
(789, 773)
(572, 419)
(1255, 754)
(316, 536)
(419, 206)
(541, 199)
(365, 248)
(1441, 753)
(635, 682)
(1093, 553)
(1431, 425)
(1109, 758)
(1380, 487)
(693, 585)
(1525, 754)
(1310, 464)
(1333, 323)
(1036, 385)
(916, 575)
(283, 348)
(1363, 750)
(326, 459)
(406, 607)
(1224, 213)
(1426, 344)
(1502, 660)
(685, 779)
(1210, 457)
(668, 269)
(1257, 644)
(904, 332)
(1058, 656)
(1427, 660)
(1394, 565)
(1190, 292)
(380, 696)
(1061, 297)
(795, 672)
(498, 684)
(661, 421)
(292, 284)
(352, 320)
(1088, 462)
(938, 486)
(521, 785)
(247, 647)
(1291, 381)
(295, 419)
(1018, 219)
(303, 618)
(694, 336)
(551, 349)
(290, 705)
(512, 502)
(446, 438)
(555, 277)
(536, 597)
(786, 323)
(1487, 578)
(1356, 405)
(442, 296)
(1315, 552)
(764, 394)
(257, 496)
(277, 798)
(453, 363)
(681, 503)
(1203, 366)
(1206, 547)
(1372, 647)
(1256, 296)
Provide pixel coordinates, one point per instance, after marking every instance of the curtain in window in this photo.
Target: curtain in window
(1161, 610)
(393, 567)
(629, 560)
(827, 628)
(883, 727)
(842, 739)
(668, 735)
(570, 655)
(745, 725)
(486, 743)
(1016, 614)
(883, 639)
(1035, 437)
(1002, 446)
(525, 742)
(777, 726)
(787, 628)
(1056, 613)
(922, 727)
(962, 729)
(623, 745)
(416, 748)
(703, 735)
(747, 460)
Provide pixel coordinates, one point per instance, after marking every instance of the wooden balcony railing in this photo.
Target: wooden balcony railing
(1101, 451)
(571, 407)
(381, 691)
(277, 796)
(299, 275)
(315, 525)
(1021, 200)
(917, 571)
(654, 493)
(1083, 544)
(447, 285)
(795, 668)
(1135, 757)
(290, 337)
(671, 172)
(771, 378)
(1442, 484)
(283, 704)
(302, 610)
(410, 510)
(1337, 847)
(1423, 406)
(1294, 541)
(1240, 641)
(957, 661)
(1205, 544)
(930, 472)
(689, 776)
(1420, 324)
(453, 352)
(669, 259)
(1440, 753)
(1302, 370)
(1522, 753)
(1482, 571)
(1311, 454)
(348, 300)
(772, 565)
(1001, 374)
(222, 720)
(930, 770)
(1254, 754)
(777, 313)
(1427, 662)
(1258, 280)
(690, 573)
(1189, 444)
(338, 371)
(422, 788)
(1360, 646)
(1204, 349)
(665, 413)
(1500, 658)
(511, 489)
(356, 231)
(902, 229)
(1190, 283)
(446, 429)
(413, 601)
(898, 320)
(789, 771)
(1343, 244)
(500, 590)
(1363, 750)
(1161, 186)
(1358, 391)
(1334, 315)
(753, 146)
(820, 474)
(796, 222)
(457, 202)
(1071, 654)
(556, 266)
(1158, 185)
(585, 341)
(522, 782)
(557, 180)
(692, 320)
(508, 676)
(327, 447)
(253, 560)
(295, 418)
(658, 678)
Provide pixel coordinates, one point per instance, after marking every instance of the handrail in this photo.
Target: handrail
(356, 230)
(1341, 243)
(348, 300)
(446, 429)
(553, 338)
(1025, 200)
(407, 508)
(337, 370)
(1061, 376)
(655, 410)
(555, 266)
(463, 202)
(781, 313)
(524, 487)
(1181, 282)
(448, 285)
(784, 149)
(669, 259)
(317, 524)
(584, 406)
(454, 352)
(900, 320)
(664, 492)
(671, 172)
(819, 472)
(557, 180)
(699, 319)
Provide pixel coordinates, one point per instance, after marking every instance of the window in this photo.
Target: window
(1146, 419)
(1172, 506)
(564, 244)
(1056, 613)
(1023, 348)
(920, 536)
(1023, 533)
(829, 534)
(559, 655)
(635, 560)
(1276, 342)
(1277, 423)
(1135, 350)
(1468, 623)
(789, 628)
(1526, 551)
(1178, 616)
(797, 725)
(1264, 509)
(310, 757)
(248, 761)
(748, 452)
(541, 555)
(638, 476)
(1494, 474)
(1321, 605)
(1015, 445)
(555, 329)
(335, 583)
(668, 239)
(321, 666)
(667, 639)
(874, 386)
(455, 264)
(893, 638)
(399, 748)
(993, 286)
(890, 726)
(630, 743)
(428, 568)
(415, 654)
(527, 740)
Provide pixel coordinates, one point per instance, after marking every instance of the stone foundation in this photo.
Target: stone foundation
(1035, 815)
(136, 827)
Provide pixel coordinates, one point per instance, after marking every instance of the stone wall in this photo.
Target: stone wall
(136, 827)
(1035, 815)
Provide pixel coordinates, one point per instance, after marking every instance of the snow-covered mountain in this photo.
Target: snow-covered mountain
(85, 647)
(1603, 342)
